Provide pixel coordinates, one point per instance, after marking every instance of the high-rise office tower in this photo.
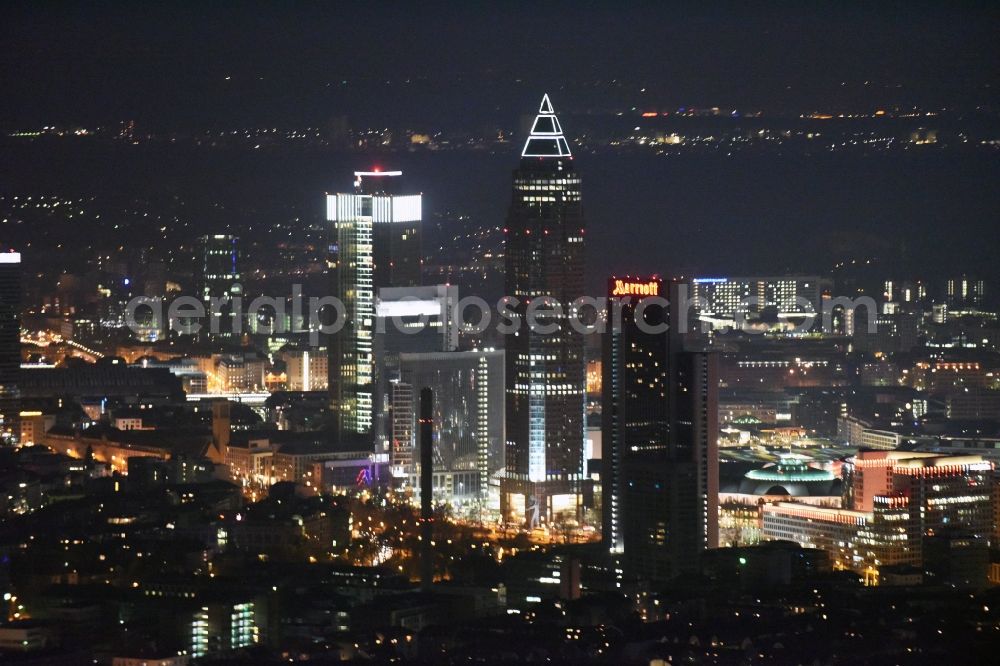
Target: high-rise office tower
(965, 291)
(468, 413)
(660, 420)
(375, 243)
(10, 345)
(218, 277)
(694, 438)
(217, 271)
(545, 371)
(634, 391)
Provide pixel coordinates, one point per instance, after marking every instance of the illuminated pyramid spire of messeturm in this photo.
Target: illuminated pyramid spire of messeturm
(546, 138)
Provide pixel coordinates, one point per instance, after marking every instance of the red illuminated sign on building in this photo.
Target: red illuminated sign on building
(630, 287)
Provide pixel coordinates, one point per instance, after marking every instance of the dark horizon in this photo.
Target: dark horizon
(192, 67)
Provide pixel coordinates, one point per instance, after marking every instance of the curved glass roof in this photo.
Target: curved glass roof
(791, 467)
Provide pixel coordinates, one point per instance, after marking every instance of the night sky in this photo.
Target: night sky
(168, 64)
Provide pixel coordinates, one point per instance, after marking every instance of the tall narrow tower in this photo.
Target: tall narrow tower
(375, 243)
(10, 346)
(545, 374)
(634, 415)
(660, 441)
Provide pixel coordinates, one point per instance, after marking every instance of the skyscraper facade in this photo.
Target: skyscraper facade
(545, 374)
(660, 421)
(218, 266)
(468, 412)
(10, 345)
(375, 243)
(634, 391)
(694, 424)
(218, 277)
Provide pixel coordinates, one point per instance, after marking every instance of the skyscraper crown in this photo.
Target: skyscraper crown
(546, 138)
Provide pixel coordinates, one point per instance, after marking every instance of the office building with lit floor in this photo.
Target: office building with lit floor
(907, 499)
(374, 243)
(545, 371)
(660, 434)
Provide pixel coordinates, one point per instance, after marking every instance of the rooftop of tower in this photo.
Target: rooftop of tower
(377, 181)
(546, 138)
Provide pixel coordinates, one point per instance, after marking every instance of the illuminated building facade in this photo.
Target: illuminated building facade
(10, 345)
(907, 499)
(403, 429)
(218, 266)
(408, 320)
(904, 291)
(965, 292)
(545, 372)
(727, 299)
(947, 492)
(857, 540)
(946, 377)
(375, 243)
(868, 474)
(220, 627)
(791, 478)
(306, 370)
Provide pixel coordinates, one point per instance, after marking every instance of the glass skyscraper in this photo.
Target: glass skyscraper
(543, 480)
(634, 415)
(660, 479)
(375, 243)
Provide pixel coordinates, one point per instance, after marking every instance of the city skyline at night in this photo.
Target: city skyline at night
(636, 333)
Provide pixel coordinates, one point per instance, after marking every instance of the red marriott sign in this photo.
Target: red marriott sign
(635, 287)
